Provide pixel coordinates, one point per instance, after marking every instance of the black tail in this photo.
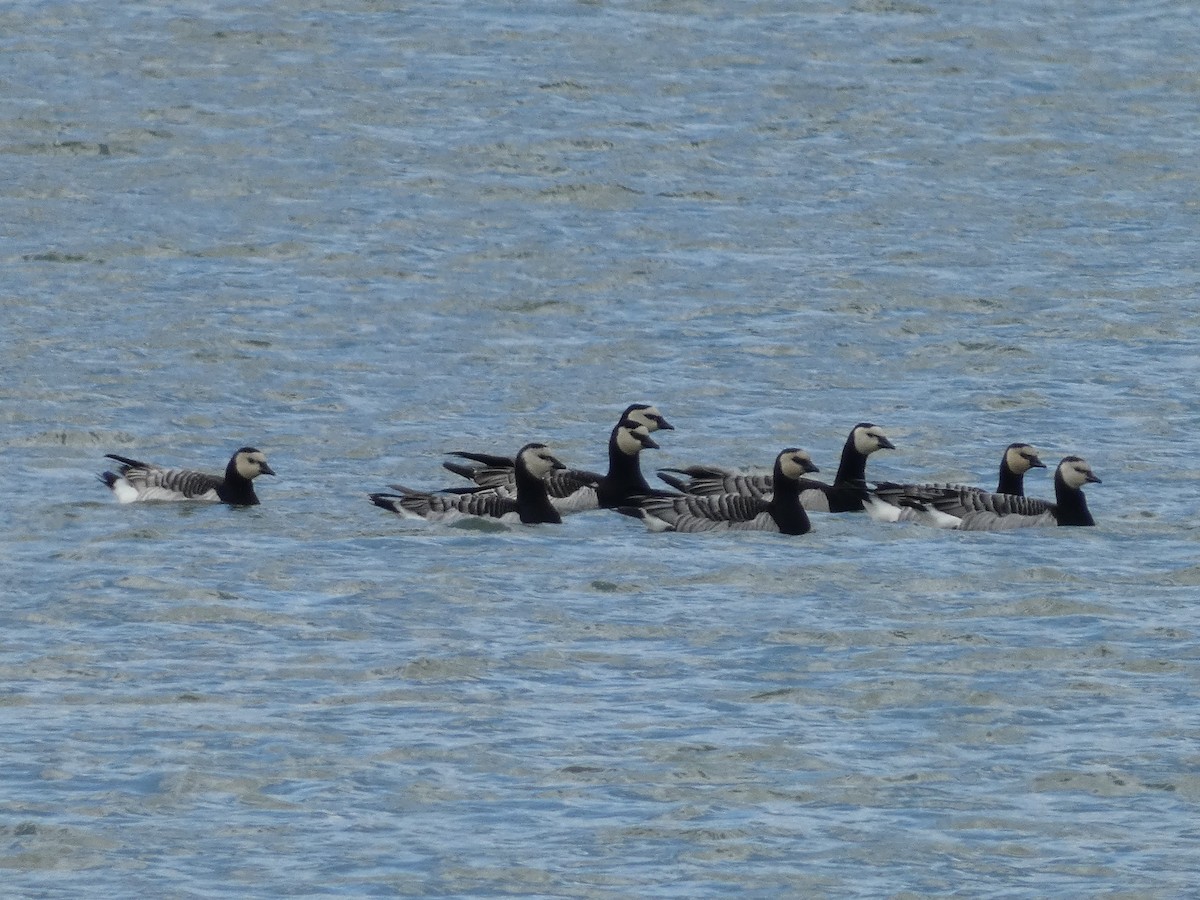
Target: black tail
(488, 459)
(467, 472)
(390, 502)
(132, 463)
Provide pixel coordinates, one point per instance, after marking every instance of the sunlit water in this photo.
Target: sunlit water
(359, 238)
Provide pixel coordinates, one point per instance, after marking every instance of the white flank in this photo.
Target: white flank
(938, 519)
(880, 510)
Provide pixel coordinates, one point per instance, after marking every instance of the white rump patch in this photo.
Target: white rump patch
(124, 491)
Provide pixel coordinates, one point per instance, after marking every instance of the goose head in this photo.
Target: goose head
(633, 437)
(1075, 472)
(537, 460)
(794, 463)
(645, 414)
(868, 438)
(1020, 458)
(250, 463)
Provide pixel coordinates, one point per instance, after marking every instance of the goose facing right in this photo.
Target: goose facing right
(846, 494)
(575, 490)
(1002, 512)
(494, 471)
(530, 504)
(136, 481)
(887, 500)
(782, 512)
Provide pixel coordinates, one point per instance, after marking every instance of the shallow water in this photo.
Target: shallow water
(361, 238)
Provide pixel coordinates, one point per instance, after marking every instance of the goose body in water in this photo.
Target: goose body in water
(844, 495)
(781, 512)
(887, 502)
(529, 503)
(136, 481)
(1002, 512)
(575, 490)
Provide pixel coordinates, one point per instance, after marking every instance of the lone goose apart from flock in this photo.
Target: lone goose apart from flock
(574, 490)
(782, 512)
(1001, 512)
(136, 481)
(844, 495)
(886, 502)
(530, 503)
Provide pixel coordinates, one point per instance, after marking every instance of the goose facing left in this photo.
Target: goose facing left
(137, 481)
(782, 512)
(529, 505)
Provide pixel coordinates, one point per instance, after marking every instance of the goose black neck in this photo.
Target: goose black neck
(236, 489)
(1071, 507)
(624, 478)
(1010, 482)
(853, 466)
(533, 503)
(785, 507)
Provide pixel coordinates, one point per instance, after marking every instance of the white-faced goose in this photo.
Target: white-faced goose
(846, 494)
(529, 503)
(886, 503)
(782, 512)
(574, 490)
(1001, 512)
(136, 481)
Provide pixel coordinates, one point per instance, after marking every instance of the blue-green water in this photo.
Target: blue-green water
(361, 237)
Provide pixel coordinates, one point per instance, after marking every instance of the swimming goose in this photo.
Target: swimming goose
(734, 512)
(844, 495)
(136, 481)
(885, 504)
(492, 470)
(574, 490)
(1001, 512)
(529, 504)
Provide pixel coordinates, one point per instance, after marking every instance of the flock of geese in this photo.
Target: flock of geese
(535, 487)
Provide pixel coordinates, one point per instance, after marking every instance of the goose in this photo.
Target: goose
(782, 512)
(1001, 512)
(575, 490)
(846, 494)
(492, 470)
(529, 504)
(885, 505)
(136, 481)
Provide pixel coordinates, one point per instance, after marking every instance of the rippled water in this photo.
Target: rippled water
(360, 237)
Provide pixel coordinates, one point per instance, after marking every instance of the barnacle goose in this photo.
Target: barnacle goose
(782, 512)
(529, 503)
(138, 481)
(1001, 512)
(884, 504)
(844, 495)
(492, 470)
(575, 490)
